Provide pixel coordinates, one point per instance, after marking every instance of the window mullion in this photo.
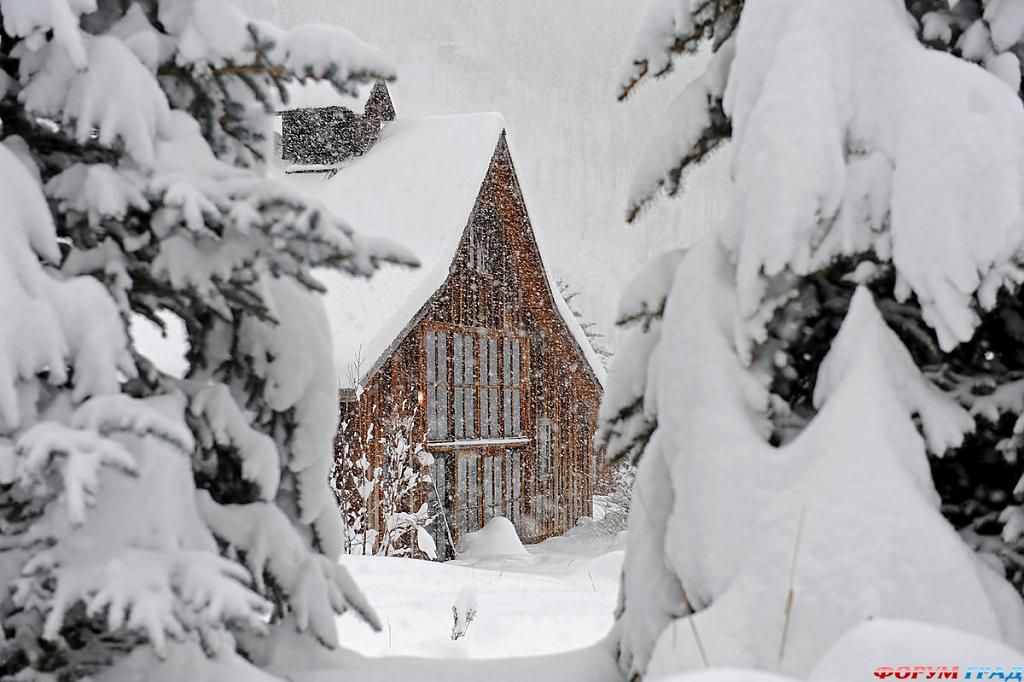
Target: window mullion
(468, 363)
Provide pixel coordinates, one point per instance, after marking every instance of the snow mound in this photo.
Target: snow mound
(606, 566)
(893, 643)
(497, 538)
(881, 643)
(727, 675)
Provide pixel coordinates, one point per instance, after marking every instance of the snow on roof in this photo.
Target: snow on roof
(417, 187)
(310, 94)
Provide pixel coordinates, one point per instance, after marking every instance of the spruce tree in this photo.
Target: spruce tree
(825, 209)
(987, 32)
(150, 523)
(980, 481)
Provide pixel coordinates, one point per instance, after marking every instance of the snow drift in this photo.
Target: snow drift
(497, 538)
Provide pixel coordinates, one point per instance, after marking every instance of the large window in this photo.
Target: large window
(467, 371)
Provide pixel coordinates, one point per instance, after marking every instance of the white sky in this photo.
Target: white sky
(550, 67)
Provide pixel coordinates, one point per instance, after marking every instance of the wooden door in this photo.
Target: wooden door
(488, 484)
(440, 500)
(467, 509)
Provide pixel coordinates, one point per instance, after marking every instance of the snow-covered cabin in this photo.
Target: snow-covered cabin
(476, 344)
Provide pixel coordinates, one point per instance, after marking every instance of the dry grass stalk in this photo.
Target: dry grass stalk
(790, 593)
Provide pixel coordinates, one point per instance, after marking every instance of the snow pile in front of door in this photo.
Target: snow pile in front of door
(497, 538)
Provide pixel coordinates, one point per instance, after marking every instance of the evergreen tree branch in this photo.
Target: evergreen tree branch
(710, 19)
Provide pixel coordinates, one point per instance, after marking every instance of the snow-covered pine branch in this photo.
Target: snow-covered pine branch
(134, 143)
(628, 415)
(671, 28)
(988, 32)
(272, 549)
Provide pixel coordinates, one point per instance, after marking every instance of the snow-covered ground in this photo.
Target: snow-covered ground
(558, 596)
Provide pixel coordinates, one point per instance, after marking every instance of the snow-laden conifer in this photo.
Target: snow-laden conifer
(792, 375)
(153, 524)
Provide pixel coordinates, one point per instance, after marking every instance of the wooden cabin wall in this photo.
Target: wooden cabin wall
(497, 286)
(391, 394)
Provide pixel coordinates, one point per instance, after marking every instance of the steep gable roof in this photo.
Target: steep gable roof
(561, 306)
(417, 187)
